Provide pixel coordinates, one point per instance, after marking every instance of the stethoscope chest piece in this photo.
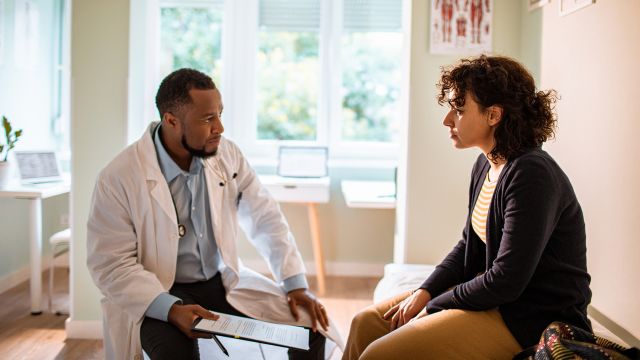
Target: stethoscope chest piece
(182, 230)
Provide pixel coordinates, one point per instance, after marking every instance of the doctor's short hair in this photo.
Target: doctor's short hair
(173, 92)
(528, 118)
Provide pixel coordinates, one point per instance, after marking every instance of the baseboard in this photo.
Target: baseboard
(19, 276)
(331, 268)
(79, 329)
(612, 326)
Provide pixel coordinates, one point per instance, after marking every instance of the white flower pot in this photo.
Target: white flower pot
(5, 173)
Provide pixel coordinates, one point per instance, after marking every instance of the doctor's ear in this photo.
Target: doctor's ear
(169, 119)
(495, 113)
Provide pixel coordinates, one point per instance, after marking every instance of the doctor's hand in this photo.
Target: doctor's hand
(304, 298)
(183, 316)
(407, 309)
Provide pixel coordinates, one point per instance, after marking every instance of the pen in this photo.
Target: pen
(215, 338)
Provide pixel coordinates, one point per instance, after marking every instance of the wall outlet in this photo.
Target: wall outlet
(64, 220)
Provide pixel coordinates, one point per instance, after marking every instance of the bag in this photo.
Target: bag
(561, 341)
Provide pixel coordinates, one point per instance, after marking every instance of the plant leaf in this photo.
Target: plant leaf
(7, 126)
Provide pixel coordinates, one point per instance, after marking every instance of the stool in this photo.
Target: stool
(61, 239)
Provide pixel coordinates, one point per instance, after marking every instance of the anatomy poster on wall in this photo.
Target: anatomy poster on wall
(461, 26)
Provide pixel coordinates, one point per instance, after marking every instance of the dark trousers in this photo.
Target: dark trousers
(161, 340)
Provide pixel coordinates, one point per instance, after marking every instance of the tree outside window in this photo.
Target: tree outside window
(288, 85)
(191, 38)
(370, 86)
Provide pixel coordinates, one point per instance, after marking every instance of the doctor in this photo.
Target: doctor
(162, 232)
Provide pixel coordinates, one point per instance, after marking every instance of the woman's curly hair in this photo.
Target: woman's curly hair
(528, 118)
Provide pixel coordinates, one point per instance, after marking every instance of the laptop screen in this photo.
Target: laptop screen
(37, 166)
(303, 161)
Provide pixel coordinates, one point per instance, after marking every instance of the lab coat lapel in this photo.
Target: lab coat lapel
(222, 229)
(216, 196)
(156, 182)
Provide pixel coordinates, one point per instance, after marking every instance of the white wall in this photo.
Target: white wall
(99, 66)
(591, 58)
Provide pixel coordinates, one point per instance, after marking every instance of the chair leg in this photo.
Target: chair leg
(51, 270)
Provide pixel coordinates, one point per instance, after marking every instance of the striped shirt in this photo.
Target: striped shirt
(481, 209)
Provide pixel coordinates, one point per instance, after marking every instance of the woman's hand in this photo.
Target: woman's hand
(407, 309)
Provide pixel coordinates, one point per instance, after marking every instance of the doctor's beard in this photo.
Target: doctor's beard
(200, 153)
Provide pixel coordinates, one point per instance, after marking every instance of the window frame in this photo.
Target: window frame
(239, 56)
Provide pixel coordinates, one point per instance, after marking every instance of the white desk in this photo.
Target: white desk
(369, 194)
(309, 191)
(34, 194)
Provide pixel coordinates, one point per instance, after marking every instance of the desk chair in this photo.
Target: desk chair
(59, 245)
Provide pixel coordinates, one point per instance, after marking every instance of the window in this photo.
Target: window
(371, 47)
(288, 70)
(60, 120)
(191, 36)
(313, 72)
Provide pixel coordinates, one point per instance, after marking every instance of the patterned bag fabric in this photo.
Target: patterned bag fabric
(561, 341)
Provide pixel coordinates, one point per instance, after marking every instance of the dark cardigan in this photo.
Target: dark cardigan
(534, 266)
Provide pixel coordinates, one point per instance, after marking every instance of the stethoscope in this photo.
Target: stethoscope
(220, 173)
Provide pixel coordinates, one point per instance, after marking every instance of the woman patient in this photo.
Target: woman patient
(521, 263)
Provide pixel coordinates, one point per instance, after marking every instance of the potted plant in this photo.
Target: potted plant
(11, 137)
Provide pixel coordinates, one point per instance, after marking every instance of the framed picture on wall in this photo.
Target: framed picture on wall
(569, 6)
(461, 27)
(534, 4)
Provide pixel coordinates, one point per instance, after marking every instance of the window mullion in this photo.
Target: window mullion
(335, 80)
(239, 80)
(325, 64)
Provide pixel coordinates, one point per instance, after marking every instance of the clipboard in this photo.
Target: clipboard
(237, 327)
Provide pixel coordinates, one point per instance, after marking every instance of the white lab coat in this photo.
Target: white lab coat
(132, 242)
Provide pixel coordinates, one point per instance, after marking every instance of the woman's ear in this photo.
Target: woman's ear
(495, 115)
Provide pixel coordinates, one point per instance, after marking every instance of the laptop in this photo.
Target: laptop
(37, 166)
(303, 161)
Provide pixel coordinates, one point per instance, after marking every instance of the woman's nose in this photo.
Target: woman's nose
(448, 119)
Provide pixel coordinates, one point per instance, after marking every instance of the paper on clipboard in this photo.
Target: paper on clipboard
(255, 330)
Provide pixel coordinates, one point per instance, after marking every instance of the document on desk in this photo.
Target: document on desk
(256, 330)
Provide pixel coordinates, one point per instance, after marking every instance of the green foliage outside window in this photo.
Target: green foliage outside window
(191, 38)
(288, 76)
(288, 85)
(370, 86)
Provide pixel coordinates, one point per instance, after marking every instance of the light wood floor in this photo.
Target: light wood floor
(23, 336)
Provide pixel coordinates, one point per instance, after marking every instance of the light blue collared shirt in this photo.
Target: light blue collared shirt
(198, 255)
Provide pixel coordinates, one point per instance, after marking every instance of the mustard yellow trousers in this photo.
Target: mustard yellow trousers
(448, 334)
